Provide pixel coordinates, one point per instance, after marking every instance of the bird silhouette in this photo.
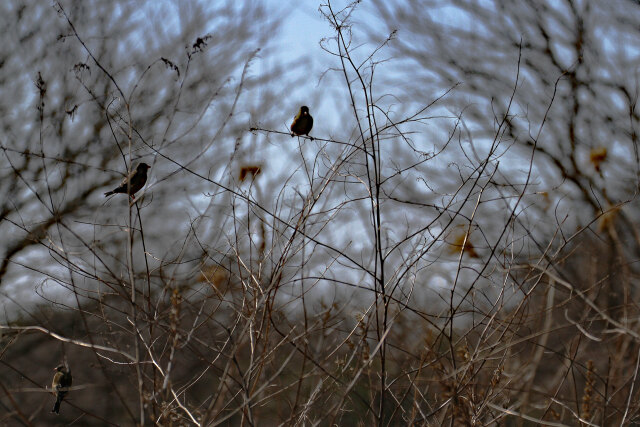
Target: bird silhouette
(302, 123)
(132, 183)
(61, 382)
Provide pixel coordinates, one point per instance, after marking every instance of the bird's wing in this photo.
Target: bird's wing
(128, 178)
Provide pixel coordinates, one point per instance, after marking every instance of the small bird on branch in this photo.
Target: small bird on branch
(60, 385)
(302, 123)
(132, 183)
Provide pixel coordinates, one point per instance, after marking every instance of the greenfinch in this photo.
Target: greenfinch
(132, 183)
(302, 123)
(60, 385)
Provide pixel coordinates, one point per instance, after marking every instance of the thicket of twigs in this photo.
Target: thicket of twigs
(462, 251)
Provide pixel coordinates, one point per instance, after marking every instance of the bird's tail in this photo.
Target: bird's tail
(56, 406)
(108, 193)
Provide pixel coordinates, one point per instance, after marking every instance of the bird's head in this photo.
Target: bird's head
(304, 109)
(59, 368)
(142, 167)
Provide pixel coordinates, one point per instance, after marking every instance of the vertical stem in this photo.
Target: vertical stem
(134, 312)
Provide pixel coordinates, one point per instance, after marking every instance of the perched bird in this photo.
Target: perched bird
(132, 183)
(61, 382)
(302, 123)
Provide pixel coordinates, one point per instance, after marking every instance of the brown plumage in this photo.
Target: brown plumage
(132, 183)
(302, 123)
(61, 382)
